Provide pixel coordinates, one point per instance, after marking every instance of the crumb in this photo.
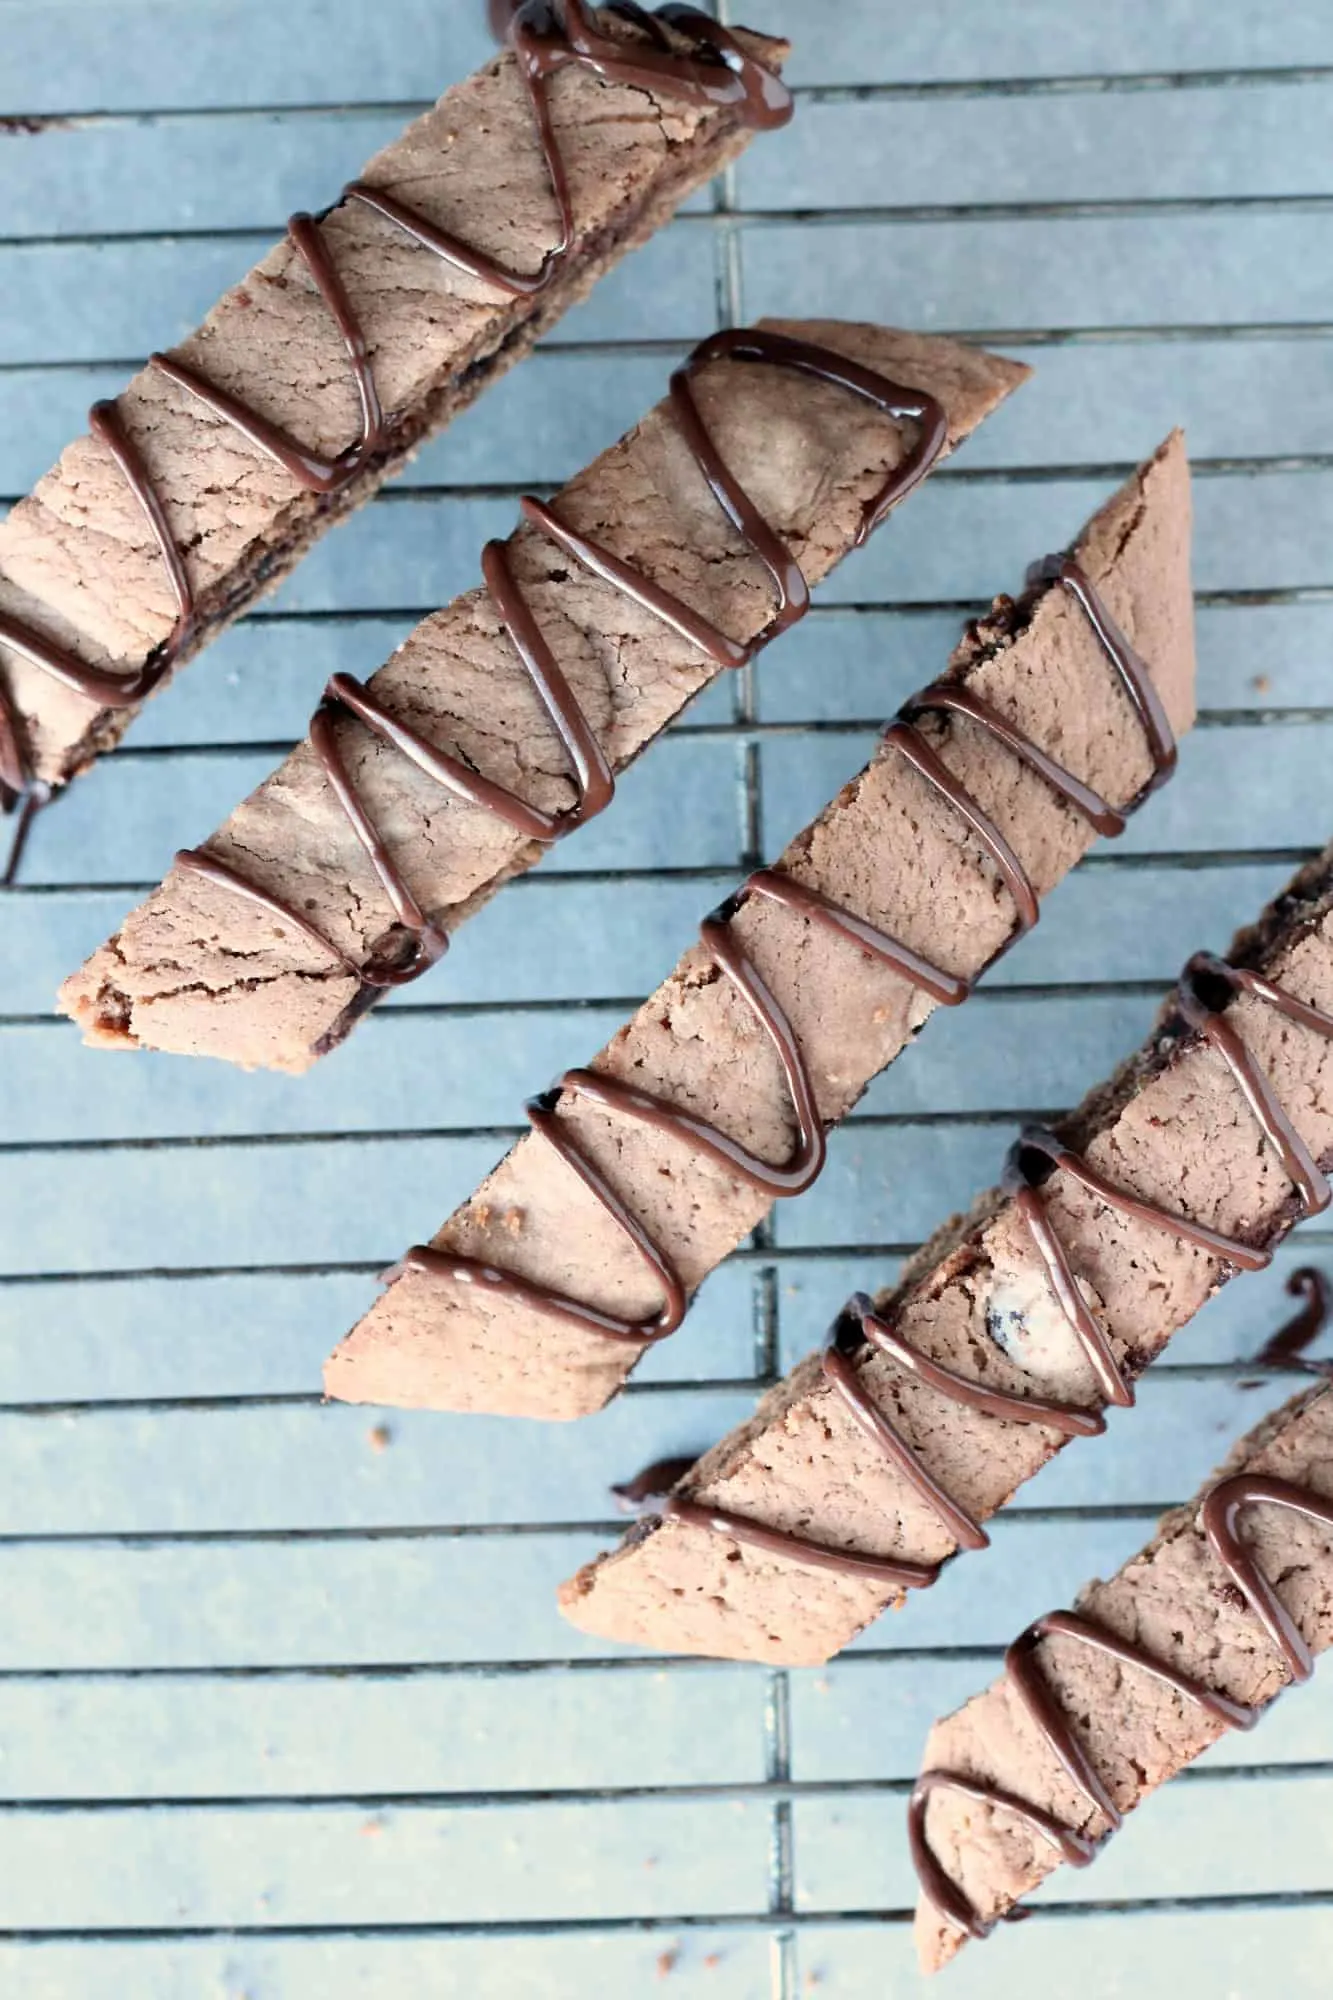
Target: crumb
(482, 1214)
(372, 1829)
(1261, 684)
(242, 297)
(650, 1861)
(813, 1979)
(380, 1438)
(667, 1961)
(712, 1961)
(513, 1220)
(880, 1016)
(823, 1684)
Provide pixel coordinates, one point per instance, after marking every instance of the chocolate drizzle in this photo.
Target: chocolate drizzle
(1218, 1517)
(1286, 1348)
(692, 58)
(593, 776)
(20, 789)
(642, 1494)
(796, 1173)
(1205, 987)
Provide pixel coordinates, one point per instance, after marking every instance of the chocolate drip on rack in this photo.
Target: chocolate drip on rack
(807, 1157)
(1219, 1517)
(593, 776)
(1286, 1348)
(697, 61)
(1036, 1155)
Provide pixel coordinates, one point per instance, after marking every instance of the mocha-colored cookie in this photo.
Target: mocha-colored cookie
(198, 970)
(78, 564)
(898, 854)
(1172, 1127)
(1177, 1604)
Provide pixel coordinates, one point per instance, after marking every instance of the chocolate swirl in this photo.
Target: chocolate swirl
(594, 778)
(797, 1173)
(1219, 1517)
(691, 58)
(1206, 986)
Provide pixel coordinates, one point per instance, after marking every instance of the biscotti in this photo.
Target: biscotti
(584, 1246)
(364, 331)
(1228, 1605)
(870, 1466)
(502, 722)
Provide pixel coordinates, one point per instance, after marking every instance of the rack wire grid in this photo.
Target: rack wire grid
(285, 1705)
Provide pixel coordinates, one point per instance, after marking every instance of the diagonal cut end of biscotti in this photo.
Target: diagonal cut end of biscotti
(1171, 1126)
(199, 970)
(1176, 1602)
(78, 561)
(892, 851)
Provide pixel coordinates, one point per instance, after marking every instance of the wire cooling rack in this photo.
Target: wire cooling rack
(284, 1703)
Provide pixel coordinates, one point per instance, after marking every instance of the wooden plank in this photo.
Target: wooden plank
(1109, 402)
(966, 40)
(269, 1336)
(304, 1735)
(860, 664)
(141, 1868)
(1232, 1327)
(1278, 769)
(262, 678)
(956, 541)
(362, 1199)
(536, 425)
(678, 809)
(614, 938)
(110, 298)
(866, 1718)
(122, 823)
(181, 1737)
(386, 1600)
(113, 1472)
(198, 173)
(164, 1471)
(1167, 269)
(1251, 1836)
(1099, 403)
(223, 172)
(209, 172)
(135, 55)
(126, 53)
(707, 1963)
(1099, 1957)
(1035, 1054)
(1091, 145)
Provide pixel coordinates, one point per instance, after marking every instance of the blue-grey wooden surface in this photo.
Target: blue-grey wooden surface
(285, 1707)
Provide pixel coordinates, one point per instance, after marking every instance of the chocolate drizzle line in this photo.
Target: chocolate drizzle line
(20, 789)
(807, 1157)
(1205, 987)
(1219, 1517)
(712, 69)
(593, 776)
(640, 1494)
(1288, 1344)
